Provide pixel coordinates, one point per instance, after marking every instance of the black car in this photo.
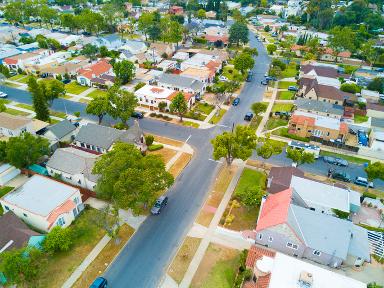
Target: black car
(340, 175)
(335, 161)
(66, 81)
(161, 202)
(100, 282)
(270, 78)
(137, 115)
(236, 101)
(248, 116)
(293, 88)
(249, 77)
(264, 82)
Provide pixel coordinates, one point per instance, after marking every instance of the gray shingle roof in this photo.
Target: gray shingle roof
(377, 122)
(319, 106)
(74, 161)
(62, 128)
(181, 81)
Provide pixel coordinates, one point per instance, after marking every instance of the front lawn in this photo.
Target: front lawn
(360, 118)
(190, 124)
(250, 177)
(216, 118)
(274, 123)
(17, 77)
(232, 74)
(290, 71)
(204, 108)
(285, 95)
(25, 106)
(285, 84)
(57, 114)
(283, 132)
(16, 112)
(255, 122)
(349, 158)
(286, 107)
(96, 93)
(23, 80)
(75, 88)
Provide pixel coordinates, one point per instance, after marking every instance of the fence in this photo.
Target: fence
(334, 144)
(376, 243)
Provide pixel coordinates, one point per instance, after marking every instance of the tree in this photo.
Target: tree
(124, 70)
(299, 156)
(58, 240)
(375, 171)
(259, 107)
(201, 14)
(109, 220)
(179, 105)
(243, 62)
(267, 28)
(162, 105)
(238, 33)
(26, 149)
(250, 196)
(54, 88)
(99, 106)
(130, 179)
(369, 52)
(341, 39)
(377, 84)
(149, 140)
(374, 285)
(237, 144)
(145, 22)
(38, 99)
(271, 48)
(268, 147)
(350, 88)
(3, 151)
(123, 104)
(90, 51)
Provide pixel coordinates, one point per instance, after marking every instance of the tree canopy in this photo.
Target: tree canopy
(244, 62)
(124, 70)
(299, 156)
(179, 105)
(375, 171)
(238, 33)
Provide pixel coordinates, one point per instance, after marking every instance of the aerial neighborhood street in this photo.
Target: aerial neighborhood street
(179, 144)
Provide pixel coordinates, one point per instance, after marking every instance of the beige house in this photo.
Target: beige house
(12, 126)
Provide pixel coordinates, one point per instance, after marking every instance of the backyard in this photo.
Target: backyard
(360, 118)
(283, 132)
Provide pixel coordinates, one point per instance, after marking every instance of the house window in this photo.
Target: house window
(88, 146)
(292, 246)
(61, 221)
(260, 236)
(6, 208)
(76, 200)
(25, 215)
(270, 239)
(316, 252)
(82, 145)
(99, 150)
(327, 133)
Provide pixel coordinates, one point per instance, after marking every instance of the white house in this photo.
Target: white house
(112, 42)
(181, 83)
(44, 203)
(74, 166)
(11, 125)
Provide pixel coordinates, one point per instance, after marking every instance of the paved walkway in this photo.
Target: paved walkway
(268, 111)
(87, 261)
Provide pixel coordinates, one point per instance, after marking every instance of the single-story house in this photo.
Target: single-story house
(62, 131)
(74, 166)
(279, 178)
(375, 110)
(100, 139)
(87, 74)
(12, 125)
(204, 74)
(320, 108)
(44, 203)
(162, 48)
(328, 55)
(181, 83)
(112, 41)
(134, 47)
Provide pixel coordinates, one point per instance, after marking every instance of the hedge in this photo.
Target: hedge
(155, 147)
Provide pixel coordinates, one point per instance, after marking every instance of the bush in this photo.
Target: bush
(199, 40)
(59, 239)
(284, 133)
(369, 195)
(153, 114)
(350, 88)
(341, 214)
(155, 147)
(77, 114)
(149, 140)
(138, 86)
(121, 126)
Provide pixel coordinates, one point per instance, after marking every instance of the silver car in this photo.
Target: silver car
(160, 203)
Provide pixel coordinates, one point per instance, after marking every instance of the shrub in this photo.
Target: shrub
(369, 195)
(341, 214)
(149, 140)
(139, 85)
(155, 147)
(59, 239)
(120, 126)
(350, 88)
(77, 114)
(153, 114)
(162, 106)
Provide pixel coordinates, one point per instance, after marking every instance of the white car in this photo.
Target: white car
(223, 78)
(3, 95)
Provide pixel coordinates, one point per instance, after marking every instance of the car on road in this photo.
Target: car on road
(138, 115)
(236, 101)
(249, 76)
(293, 88)
(248, 116)
(264, 82)
(335, 161)
(340, 175)
(3, 94)
(100, 282)
(363, 182)
(160, 203)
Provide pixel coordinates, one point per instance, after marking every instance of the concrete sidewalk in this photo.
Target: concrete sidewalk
(268, 111)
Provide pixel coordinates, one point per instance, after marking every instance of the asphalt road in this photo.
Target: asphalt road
(143, 261)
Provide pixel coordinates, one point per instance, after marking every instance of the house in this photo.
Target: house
(377, 141)
(74, 166)
(276, 270)
(181, 83)
(150, 96)
(369, 95)
(111, 41)
(100, 139)
(134, 47)
(88, 74)
(11, 125)
(309, 88)
(200, 60)
(214, 35)
(176, 10)
(233, 5)
(8, 53)
(211, 15)
(303, 233)
(28, 47)
(165, 65)
(324, 74)
(44, 203)
(375, 110)
(205, 75)
(319, 108)
(304, 124)
(161, 49)
(63, 131)
(328, 55)
(7, 173)
(15, 234)
(279, 178)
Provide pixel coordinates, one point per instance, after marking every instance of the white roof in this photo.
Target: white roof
(181, 55)
(369, 93)
(40, 195)
(321, 121)
(321, 194)
(154, 92)
(286, 272)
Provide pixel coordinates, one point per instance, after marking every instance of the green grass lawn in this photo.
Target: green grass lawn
(190, 124)
(290, 71)
(5, 189)
(283, 132)
(57, 114)
(17, 77)
(75, 88)
(285, 84)
(285, 95)
(96, 93)
(25, 106)
(23, 80)
(255, 122)
(204, 108)
(349, 158)
(13, 85)
(360, 118)
(5, 101)
(216, 118)
(250, 177)
(275, 122)
(282, 107)
(16, 112)
(222, 275)
(232, 74)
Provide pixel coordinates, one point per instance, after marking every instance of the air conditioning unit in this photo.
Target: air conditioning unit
(305, 280)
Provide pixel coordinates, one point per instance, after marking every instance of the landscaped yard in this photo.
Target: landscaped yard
(290, 71)
(255, 122)
(96, 93)
(349, 158)
(190, 124)
(57, 114)
(165, 153)
(23, 80)
(17, 77)
(204, 108)
(25, 106)
(16, 112)
(217, 269)
(283, 132)
(216, 118)
(360, 118)
(75, 88)
(183, 258)
(285, 84)
(275, 122)
(232, 74)
(287, 107)
(285, 95)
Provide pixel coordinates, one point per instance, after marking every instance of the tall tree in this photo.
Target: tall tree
(299, 156)
(259, 107)
(124, 71)
(375, 171)
(38, 99)
(99, 106)
(237, 144)
(58, 239)
(179, 105)
(54, 89)
(145, 22)
(90, 51)
(244, 62)
(123, 104)
(238, 33)
(268, 147)
(341, 39)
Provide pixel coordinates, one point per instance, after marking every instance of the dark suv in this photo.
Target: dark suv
(161, 202)
(340, 175)
(248, 116)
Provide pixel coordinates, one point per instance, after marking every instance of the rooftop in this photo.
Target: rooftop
(62, 128)
(319, 106)
(13, 122)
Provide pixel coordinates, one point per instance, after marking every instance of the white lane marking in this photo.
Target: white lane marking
(225, 126)
(215, 160)
(189, 137)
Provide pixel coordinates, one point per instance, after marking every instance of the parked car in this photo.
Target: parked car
(335, 161)
(363, 182)
(137, 115)
(248, 116)
(161, 202)
(293, 88)
(223, 78)
(283, 113)
(264, 82)
(100, 282)
(340, 175)
(236, 101)
(66, 81)
(249, 76)
(3, 94)
(270, 78)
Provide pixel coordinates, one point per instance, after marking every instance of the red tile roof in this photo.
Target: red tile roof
(343, 128)
(68, 206)
(343, 54)
(274, 210)
(263, 281)
(96, 69)
(256, 253)
(214, 38)
(301, 120)
(187, 96)
(10, 61)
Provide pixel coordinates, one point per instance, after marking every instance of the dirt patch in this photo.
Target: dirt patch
(205, 217)
(259, 164)
(244, 218)
(183, 258)
(180, 164)
(168, 141)
(165, 153)
(217, 269)
(106, 256)
(222, 182)
(268, 94)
